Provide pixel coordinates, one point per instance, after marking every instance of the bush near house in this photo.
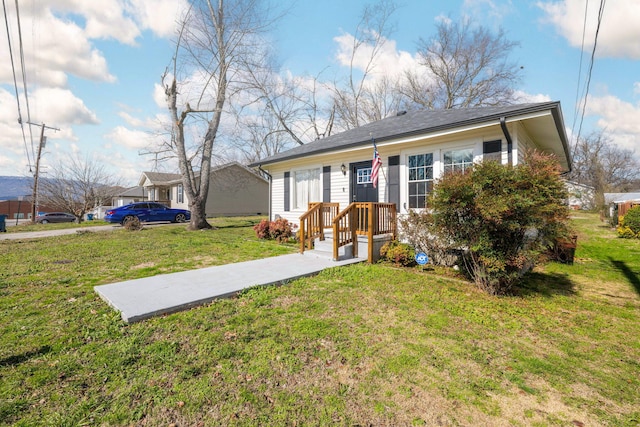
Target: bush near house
(501, 217)
(280, 230)
(629, 224)
(401, 254)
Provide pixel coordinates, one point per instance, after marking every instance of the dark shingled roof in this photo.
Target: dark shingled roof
(161, 178)
(414, 123)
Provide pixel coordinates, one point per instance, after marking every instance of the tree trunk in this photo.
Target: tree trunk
(198, 215)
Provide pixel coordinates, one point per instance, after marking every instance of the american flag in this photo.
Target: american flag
(376, 164)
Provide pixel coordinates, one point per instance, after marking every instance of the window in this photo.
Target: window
(364, 175)
(306, 188)
(420, 179)
(492, 150)
(180, 191)
(458, 160)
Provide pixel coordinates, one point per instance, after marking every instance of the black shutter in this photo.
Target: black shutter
(326, 184)
(287, 191)
(492, 150)
(394, 180)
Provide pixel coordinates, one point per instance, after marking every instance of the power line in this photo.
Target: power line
(15, 85)
(24, 74)
(577, 104)
(593, 54)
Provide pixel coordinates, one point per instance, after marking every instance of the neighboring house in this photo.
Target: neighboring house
(156, 186)
(620, 203)
(415, 148)
(234, 190)
(580, 196)
(128, 196)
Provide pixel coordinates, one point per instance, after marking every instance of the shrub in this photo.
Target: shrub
(417, 229)
(262, 229)
(629, 224)
(500, 217)
(280, 230)
(401, 254)
(132, 224)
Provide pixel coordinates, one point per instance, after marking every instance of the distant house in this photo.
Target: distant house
(129, 195)
(620, 203)
(156, 186)
(234, 190)
(580, 196)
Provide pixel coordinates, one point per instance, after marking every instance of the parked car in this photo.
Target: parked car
(147, 212)
(48, 217)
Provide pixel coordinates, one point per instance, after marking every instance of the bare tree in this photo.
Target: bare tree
(78, 185)
(599, 163)
(303, 109)
(361, 100)
(464, 66)
(218, 41)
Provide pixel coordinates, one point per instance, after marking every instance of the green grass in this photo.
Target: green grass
(358, 345)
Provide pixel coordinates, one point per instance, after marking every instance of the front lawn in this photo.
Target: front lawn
(358, 345)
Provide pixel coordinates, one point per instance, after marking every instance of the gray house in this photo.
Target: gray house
(234, 190)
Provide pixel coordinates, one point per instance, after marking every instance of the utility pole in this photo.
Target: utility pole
(34, 196)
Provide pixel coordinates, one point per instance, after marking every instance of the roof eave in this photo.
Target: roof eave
(553, 106)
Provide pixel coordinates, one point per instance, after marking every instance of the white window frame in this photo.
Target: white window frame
(464, 164)
(425, 179)
(311, 193)
(180, 193)
(363, 175)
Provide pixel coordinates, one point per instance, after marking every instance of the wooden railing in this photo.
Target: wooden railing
(359, 218)
(313, 223)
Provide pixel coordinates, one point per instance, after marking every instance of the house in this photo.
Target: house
(580, 196)
(156, 186)
(234, 190)
(415, 148)
(128, 196)
(620, 203)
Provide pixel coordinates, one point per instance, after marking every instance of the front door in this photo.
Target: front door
(362, 189)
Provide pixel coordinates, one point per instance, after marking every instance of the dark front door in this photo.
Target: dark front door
(362, 189)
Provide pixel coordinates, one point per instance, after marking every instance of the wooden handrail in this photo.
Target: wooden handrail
(313, 222)
(363, 218)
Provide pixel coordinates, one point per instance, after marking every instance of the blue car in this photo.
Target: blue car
(146, 212)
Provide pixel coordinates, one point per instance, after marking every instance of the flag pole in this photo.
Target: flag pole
(375, 148)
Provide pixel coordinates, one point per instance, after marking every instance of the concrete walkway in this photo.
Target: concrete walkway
(141, 299)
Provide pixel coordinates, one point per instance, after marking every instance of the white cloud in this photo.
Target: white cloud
(524, 97)
(390, 62)
(57, 48)
(487, 11)
(619, 33)
(61, 107)
(158, 16)
(619, 119)
(130, 139)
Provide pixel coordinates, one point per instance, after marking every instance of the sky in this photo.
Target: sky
(93, 69)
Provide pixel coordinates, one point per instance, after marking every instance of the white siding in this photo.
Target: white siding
(340, 191)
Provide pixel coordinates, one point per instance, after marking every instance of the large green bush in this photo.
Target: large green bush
(629, 224)
(501, 218)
